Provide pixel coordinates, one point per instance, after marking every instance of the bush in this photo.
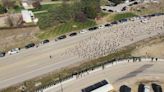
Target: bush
(2, 10)
(46, 20)
(80, 17)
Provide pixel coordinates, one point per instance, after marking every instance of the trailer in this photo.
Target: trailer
(102, 86)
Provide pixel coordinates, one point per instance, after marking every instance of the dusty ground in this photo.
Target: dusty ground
(148, 8)
(153, 48)
(10, 38)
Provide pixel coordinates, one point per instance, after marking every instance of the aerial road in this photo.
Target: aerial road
(73, 50)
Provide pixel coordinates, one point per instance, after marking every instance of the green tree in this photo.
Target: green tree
(117, 1)
(2, 10)
(9, 3)
(91, 8)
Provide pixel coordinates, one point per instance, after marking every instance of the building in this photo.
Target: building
(31, 4)
(28, 17)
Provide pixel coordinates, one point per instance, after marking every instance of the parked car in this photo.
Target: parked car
(125, 88)
(45, 41)
(114, 22)
(123, 20)
(107, 25)
(2, 54)
(13, 51)
(141, 87)
(93, 28)
(101, 26)
(73, 34)
(29, 45)
(147, 88)
(104, 9)
(61, 37)
(110, 11)
(124, 8)
(83, 31)
(156, 87)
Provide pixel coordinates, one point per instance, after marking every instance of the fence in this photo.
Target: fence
(108, 63)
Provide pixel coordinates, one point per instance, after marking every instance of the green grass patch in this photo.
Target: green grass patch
(16, 9)
(65, 28)
(46, 7)
(122, 16)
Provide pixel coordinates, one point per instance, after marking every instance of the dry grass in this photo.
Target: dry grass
(11, 38)
(152, 48)
(149, 8)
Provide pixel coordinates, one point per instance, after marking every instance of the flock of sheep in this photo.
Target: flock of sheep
(108, 40)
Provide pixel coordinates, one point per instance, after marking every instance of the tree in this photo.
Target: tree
(8, 3)
(36, 4)
(2, 10)
(80, 17)
(117, 1)
(91, 8)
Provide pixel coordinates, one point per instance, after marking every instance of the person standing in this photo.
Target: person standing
(50, 57)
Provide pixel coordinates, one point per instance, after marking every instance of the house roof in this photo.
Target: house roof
(30, 1)
(27, 15)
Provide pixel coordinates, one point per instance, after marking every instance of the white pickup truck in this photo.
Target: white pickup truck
(13, 51)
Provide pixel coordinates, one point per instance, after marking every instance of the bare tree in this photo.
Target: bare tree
(8, 3)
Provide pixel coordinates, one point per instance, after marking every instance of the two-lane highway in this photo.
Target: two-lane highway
(36, 61)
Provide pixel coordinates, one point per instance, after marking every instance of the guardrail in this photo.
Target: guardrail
(107, 64)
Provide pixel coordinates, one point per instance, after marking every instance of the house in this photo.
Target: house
(28, 17)
(31, 4)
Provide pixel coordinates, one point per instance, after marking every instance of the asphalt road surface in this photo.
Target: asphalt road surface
(36, 61)
(121, 74)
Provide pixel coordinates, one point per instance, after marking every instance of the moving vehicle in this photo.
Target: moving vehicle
(2, 54)
(13, 51)
(29, 45)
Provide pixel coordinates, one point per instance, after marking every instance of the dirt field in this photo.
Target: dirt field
(148, 8)
(153, 48)
(10, 38)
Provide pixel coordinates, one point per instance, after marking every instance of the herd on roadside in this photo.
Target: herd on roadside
(30, 45)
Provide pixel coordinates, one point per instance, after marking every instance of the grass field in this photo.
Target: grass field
(119, 16)
(114, 17)
(46, 7)
(65, 28)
